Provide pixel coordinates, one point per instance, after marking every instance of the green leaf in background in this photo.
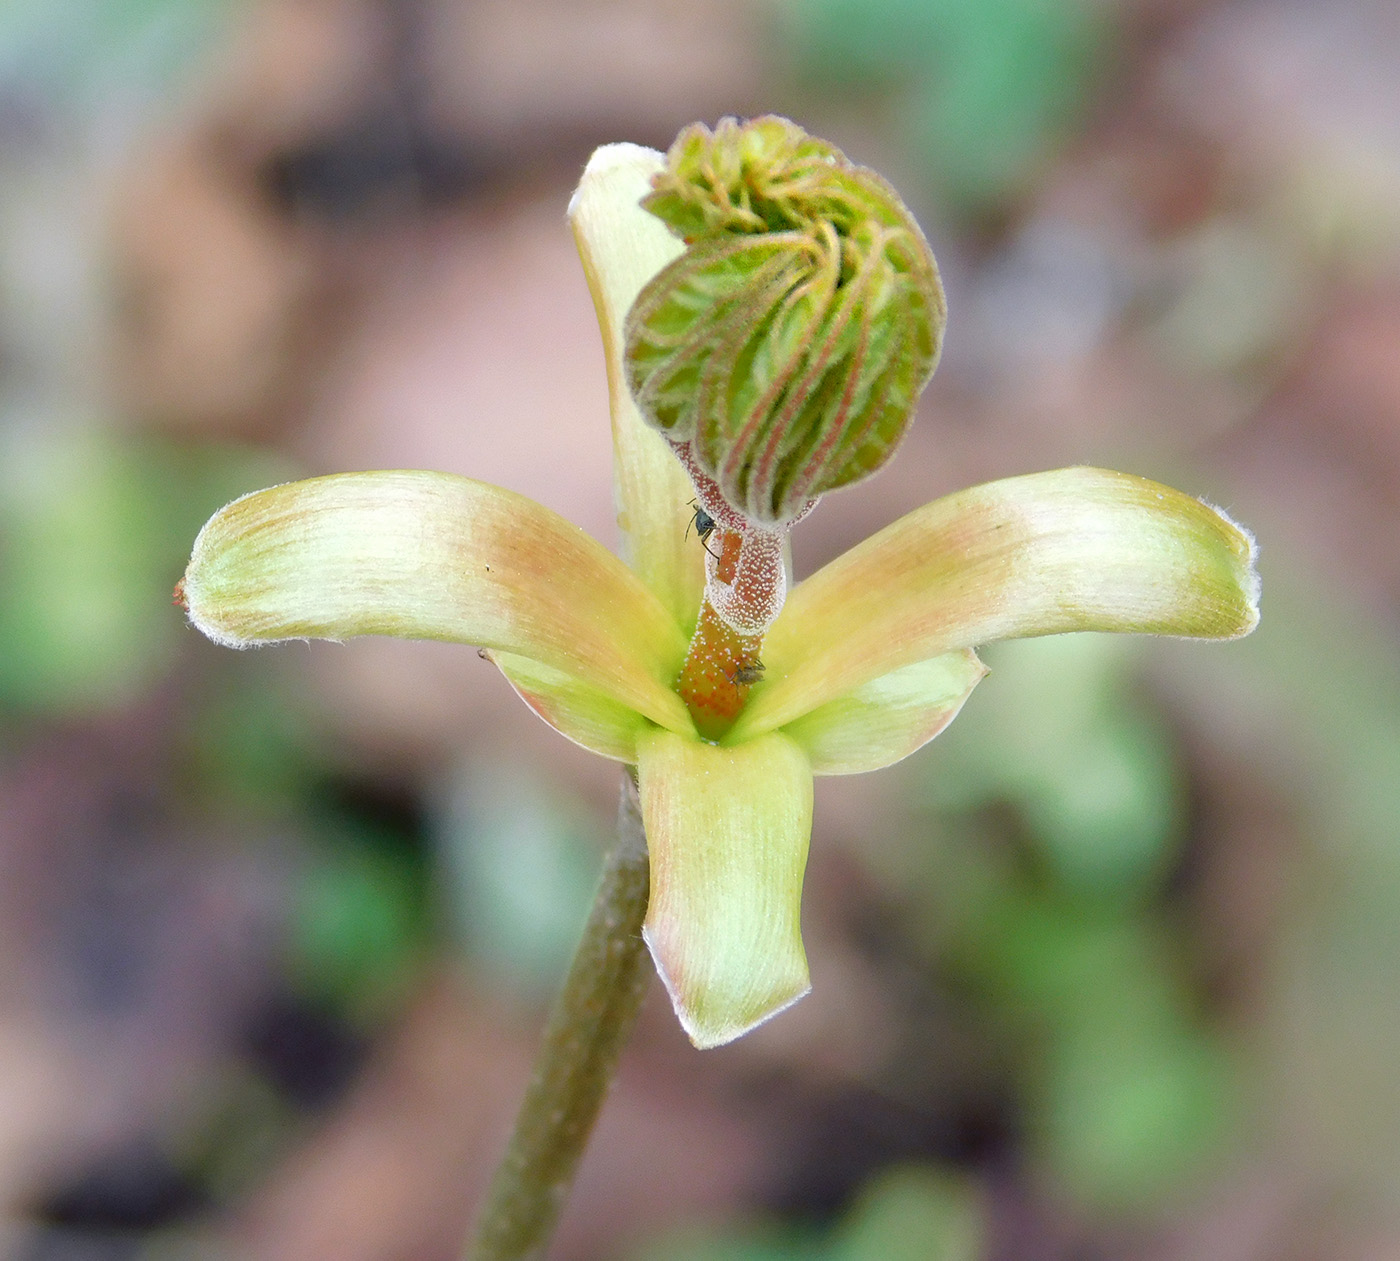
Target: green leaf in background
(93, 531)
(520, 860)
(1314, 707)
(1060, 734)
(83, 49)
(1056, 810)
(1017, 77)
(1126, 1113)
(359, 923)
(985, 90)
(228, 1146)
(855, 43)
(249, 744)
(912, 1213)
(904, 1213)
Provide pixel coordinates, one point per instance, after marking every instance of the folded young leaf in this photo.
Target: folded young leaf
(623, 247)
(1071, 550)
(727, 829)
(433, 556)
(888, 718)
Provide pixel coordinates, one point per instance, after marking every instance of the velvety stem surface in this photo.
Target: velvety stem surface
(587, 1029)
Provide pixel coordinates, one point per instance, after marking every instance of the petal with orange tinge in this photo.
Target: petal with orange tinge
(433, 556)
(1076, 549)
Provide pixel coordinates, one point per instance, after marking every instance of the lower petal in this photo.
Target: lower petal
(727, 829)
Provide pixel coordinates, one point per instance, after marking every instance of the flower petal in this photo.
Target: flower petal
(433, 556)
(1071, 550)
(573, 708)
(623, 247)
(888, 718)
(728, 830)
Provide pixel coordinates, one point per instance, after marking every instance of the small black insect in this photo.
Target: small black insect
(704, 527)
(743, 675)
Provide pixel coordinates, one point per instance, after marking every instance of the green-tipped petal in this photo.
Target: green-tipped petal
(433, 556)
(728, 830)
(888, 718)
(623, 247)
(1072, 550)
(574, 708)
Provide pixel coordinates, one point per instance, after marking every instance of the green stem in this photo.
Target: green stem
(588, 1027)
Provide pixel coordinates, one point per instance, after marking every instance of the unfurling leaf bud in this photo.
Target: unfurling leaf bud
(788, 345)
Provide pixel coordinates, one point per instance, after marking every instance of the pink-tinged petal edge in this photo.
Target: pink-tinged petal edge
(577, 711)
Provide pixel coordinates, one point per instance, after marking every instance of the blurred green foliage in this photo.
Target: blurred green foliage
(904, 1213)
(520, 860)
(89, 48)
(94, 531)
(360, 918)
(1054, 810)
(248, 744)
(1057, 731)
(911, 1213)
(360, 922)
(983, 91)
(245, 1124)
(1309, 706)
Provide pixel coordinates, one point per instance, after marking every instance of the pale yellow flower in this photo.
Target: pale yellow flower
(868, 660)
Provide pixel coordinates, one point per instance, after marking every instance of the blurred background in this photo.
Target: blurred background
(1109, 971)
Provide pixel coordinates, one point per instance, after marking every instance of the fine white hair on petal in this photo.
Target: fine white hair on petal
(1254, 584)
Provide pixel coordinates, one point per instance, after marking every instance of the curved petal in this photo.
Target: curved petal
(623, 247)
(433, 556)
(1071, 550)
(727, 829)
(888, 718)
(573, 708)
